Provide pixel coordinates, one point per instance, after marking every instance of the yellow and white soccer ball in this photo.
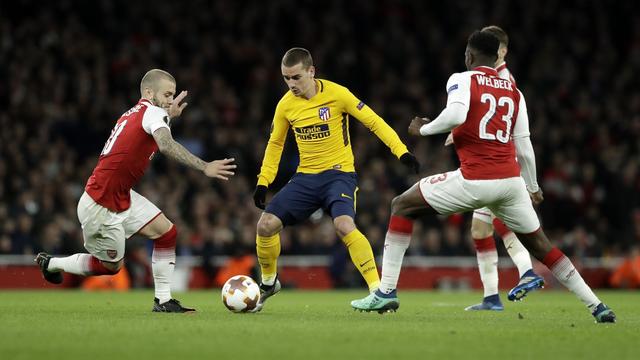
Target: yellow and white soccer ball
(240, 294)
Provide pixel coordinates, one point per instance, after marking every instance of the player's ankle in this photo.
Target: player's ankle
(269, 280)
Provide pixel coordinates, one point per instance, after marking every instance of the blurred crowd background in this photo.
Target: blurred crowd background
(69, 69)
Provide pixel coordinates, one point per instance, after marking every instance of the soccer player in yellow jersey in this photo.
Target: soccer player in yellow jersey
(317, 111)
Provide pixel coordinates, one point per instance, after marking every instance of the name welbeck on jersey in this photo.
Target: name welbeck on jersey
(312, 132)
(494, 82)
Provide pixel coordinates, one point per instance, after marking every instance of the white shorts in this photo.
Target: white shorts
(508, 199)
(105, 231)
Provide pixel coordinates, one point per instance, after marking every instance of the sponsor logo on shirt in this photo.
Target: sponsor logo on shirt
(312, 132)
(324, 113)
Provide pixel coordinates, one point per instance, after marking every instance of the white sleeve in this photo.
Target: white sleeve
(521, 128)
(524, 148)
(458, 98)
(459, 89)
(453, 115)
(527, 161)
(153, 119)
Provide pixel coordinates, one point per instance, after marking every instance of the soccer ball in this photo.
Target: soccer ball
(240, 294)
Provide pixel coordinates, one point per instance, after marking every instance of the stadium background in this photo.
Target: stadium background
(70, 68)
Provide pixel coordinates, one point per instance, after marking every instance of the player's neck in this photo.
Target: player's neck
(481, 64)
(312, 91)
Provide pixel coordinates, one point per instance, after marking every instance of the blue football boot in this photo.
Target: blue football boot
(603, 314)
(530, 281)
(491, 303)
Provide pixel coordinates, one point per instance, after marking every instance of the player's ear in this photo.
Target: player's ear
(312, 71)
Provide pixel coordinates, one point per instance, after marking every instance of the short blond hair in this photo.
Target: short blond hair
(152, 77)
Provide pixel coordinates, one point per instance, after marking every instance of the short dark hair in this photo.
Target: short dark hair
(499, 33)
(152, 77)
(296, 56)
(484, 44)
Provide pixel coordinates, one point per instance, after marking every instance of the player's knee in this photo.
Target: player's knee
(397, 205)
(113, 267)
(481, 230)
(344, 225)
(268, 225)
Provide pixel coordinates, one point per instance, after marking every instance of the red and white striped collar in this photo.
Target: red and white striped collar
(145, 101)
(501, 66)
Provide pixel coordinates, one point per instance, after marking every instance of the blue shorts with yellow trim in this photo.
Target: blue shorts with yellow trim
(332, 190)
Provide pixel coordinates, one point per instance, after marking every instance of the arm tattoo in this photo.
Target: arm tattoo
(174, 150)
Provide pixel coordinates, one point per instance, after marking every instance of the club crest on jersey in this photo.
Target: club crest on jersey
(112, 253)
(324, 113)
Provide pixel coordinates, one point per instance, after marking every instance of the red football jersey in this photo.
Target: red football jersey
(484, 142)
(126, 156)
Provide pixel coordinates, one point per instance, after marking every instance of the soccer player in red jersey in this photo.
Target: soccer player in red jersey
(484, 222)
(488, 116)
(110, 211)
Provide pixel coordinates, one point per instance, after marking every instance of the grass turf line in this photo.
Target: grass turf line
(312, 325)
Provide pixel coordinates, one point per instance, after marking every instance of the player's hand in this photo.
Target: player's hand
(416, 124)
(260, 196)
(220, 169)
(410, 161)
(449, 140)
(536, 197)
(176, 108)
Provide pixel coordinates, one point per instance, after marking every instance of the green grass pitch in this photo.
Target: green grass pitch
(312, 325)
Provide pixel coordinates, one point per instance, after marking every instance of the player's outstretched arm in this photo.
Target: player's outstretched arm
(220, 169)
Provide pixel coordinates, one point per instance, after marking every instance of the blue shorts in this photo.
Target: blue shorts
(332, 190)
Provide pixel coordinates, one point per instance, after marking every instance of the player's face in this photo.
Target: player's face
(163, 96)
(502, 52)
(299, 80)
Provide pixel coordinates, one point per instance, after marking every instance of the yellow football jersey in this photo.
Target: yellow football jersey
(321, 129)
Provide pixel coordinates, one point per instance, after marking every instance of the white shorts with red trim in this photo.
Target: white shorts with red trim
(105, 231)
(508, 199)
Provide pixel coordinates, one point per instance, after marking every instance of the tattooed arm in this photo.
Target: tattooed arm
(174, 150)
(221, 169)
